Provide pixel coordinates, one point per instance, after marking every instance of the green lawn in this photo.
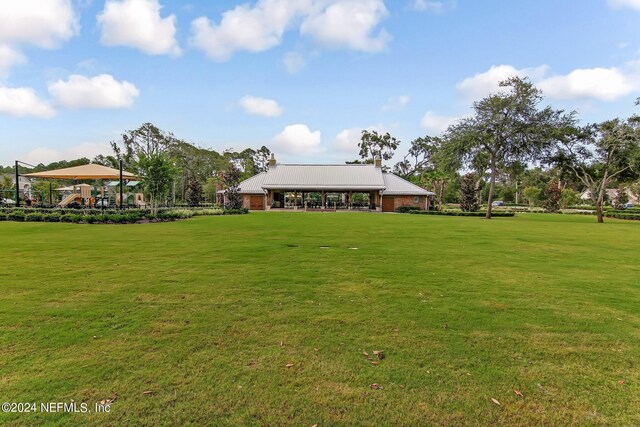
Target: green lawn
(205, 314)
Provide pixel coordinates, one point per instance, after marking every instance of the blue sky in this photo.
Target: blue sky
(300, 76)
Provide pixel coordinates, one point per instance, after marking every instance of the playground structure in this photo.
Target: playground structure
(131, 197)
(85, 194)
(80, 194)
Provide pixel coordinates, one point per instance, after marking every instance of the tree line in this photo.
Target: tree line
(175, 171)
(511, 145)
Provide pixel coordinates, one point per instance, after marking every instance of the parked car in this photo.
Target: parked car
(497, 203)
(7, 202)
(629, 206)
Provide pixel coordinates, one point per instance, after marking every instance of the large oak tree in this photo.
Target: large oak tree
(505, 128)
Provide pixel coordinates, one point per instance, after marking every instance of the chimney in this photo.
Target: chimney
(272, 161)
(377, 161)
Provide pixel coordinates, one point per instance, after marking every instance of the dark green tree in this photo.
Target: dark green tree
(551, 197)
(158, 172)
(419, 158)
(194, 192)
(506, 128)
(469, 197)
(601, 153)
(372, 144)
(621, 198)
(233, 198)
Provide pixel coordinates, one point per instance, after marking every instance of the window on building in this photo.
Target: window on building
(416, 199)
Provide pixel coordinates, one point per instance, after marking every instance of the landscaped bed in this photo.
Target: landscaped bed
(95, 216)
(265, 319)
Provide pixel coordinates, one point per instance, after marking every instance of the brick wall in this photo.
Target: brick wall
(410, 201)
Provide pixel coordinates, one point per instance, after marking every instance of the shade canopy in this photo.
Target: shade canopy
(90, 171)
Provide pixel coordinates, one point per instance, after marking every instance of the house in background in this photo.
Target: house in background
(611, 195)
(24, 183)
(321, 187)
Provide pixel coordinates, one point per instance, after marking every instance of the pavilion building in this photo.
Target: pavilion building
(323, 187)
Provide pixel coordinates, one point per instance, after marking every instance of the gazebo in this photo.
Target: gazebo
(86, 172)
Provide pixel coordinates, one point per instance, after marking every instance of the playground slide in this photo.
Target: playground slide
(70, 198)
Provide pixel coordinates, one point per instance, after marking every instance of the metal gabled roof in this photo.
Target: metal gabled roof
(253, 185)
(324, 177)
(396, 186)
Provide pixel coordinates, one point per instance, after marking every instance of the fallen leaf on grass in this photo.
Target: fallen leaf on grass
(621, 382)
(518, 393)
(281, 343)
(289, 365)
(375, 363)
(375, 386)
(148, 392)
(379, 353)
(496, 402)
(365, 353)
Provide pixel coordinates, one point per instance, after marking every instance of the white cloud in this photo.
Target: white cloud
(260, 106)
(101, 91)
(396, 103)
(8, 58)
(605, 84)
(246, 28)
(428, 6)
(437, 124)
(138, 24)
(484, 84)
(347, 141)
(618, 4)
(23, 102)
(294, 62)
(342, 24)
(44, 23)
(48, 155)
(348, 24)
(298, 139)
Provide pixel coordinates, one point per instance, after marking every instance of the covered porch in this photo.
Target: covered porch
(324, 199)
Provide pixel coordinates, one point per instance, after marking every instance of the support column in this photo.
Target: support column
(17, 186)
(295, 200)
(121, 187)
(322, 207)
(350, 199)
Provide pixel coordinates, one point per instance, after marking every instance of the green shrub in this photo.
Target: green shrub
(16, 215)
(407, 209)
(623, 215)
(70, 218)
(53, 217)
(454, 213)
(240, 211)
(34, 217)
(203, 212)
(3, 216)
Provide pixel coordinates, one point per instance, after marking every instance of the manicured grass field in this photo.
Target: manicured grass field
(195, 322)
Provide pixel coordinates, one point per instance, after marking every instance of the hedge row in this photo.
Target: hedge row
(120, 217)
(454, 213)
(623, 215)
